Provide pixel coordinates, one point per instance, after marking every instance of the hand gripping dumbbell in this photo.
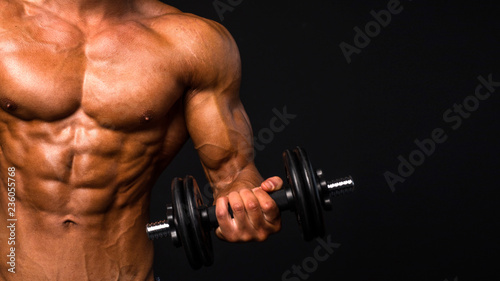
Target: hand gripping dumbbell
(189, 221)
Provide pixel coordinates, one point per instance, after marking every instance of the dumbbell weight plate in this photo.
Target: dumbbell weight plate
(295, 182)
(184, 223)
(201, 235)
(299, 176)
(317, 222)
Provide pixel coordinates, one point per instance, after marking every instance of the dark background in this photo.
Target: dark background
(357, 118)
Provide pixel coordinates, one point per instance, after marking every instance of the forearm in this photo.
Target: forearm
(222, 135)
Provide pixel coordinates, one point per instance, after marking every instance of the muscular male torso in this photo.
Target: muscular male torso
(90, 116)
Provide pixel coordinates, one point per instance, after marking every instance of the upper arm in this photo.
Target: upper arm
(215, 117)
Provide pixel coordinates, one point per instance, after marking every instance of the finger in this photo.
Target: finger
(219, 234)
(240, 220)
(268, 206)
(272, 184)
(253, 209)
(223, 217)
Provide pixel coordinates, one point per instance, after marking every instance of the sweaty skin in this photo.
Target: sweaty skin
(96, 99)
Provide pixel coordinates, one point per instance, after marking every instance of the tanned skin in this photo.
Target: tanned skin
(97, 97)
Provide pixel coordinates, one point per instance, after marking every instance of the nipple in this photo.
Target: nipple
(147, 117)
(8, 104)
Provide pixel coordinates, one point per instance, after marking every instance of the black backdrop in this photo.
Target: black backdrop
(361, 118)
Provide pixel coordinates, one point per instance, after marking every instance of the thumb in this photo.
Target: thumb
(272, 184)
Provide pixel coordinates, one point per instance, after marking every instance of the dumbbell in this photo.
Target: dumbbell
(189, 221)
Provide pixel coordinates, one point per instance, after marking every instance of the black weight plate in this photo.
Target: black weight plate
(295, 181)
(201, 235)
(182, 223)
(316, 214)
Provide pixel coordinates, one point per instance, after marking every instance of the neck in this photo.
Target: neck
(86, 11)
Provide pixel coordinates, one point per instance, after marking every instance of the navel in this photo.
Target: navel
(68, 224)
(8, 104)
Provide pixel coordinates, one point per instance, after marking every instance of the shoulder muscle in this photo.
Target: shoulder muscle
(208, 51)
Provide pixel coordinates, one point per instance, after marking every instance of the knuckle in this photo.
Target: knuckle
(246, 192)
(233, 195)
(268, 205)
(260, 193)
(277, 228)
(220, 213)
(237, 207)
(261, 236)
(231, 239)
(252, 205)
(244, 237)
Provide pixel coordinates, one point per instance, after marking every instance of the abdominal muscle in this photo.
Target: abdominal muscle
(82, 199)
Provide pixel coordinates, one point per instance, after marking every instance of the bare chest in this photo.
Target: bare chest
(123, 75)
